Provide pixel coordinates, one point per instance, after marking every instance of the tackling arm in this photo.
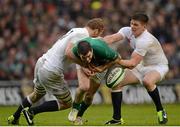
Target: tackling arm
(70, 55)
(109, 39)
(104, 67)
(132, 62)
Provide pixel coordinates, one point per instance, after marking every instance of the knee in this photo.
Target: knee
(65, 105)
(84, 87)
(68, 105)
(148, 84)
(118, 87)
(65, 101)
(89, 98)
(34, 97)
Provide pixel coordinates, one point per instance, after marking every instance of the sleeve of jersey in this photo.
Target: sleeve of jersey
(76, 37)
(124, 31)
(141, 48)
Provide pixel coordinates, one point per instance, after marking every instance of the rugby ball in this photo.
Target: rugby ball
(114, 76)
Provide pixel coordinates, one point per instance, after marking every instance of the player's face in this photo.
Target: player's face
(86, 58)
(137, 27)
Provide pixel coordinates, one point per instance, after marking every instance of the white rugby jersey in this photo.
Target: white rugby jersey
(55, 56)
(145, 45)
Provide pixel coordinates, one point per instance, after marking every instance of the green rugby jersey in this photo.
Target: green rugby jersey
(102, 53)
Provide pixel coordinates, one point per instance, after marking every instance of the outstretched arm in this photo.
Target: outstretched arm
(113, 38)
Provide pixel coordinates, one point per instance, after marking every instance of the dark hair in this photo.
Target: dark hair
(83, 47)
(142, 17)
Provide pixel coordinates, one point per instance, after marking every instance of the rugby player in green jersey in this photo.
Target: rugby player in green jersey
(102, 57)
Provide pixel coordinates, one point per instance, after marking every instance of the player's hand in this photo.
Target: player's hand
(95, 68)
(91, 67)
(88, 72)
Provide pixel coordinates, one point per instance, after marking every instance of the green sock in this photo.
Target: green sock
(83, 108)
(77, 105)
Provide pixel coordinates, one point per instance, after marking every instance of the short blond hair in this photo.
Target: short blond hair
(96, 23)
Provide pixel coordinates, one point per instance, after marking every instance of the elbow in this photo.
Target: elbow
(128, 63)
(132, 65)
(67, 54)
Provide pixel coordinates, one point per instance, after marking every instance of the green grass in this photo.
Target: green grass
(98, 115)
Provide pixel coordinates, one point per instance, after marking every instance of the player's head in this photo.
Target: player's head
(138, 23)
(85, 51)
(95, 27)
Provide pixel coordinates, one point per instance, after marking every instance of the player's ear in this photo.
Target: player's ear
(145, 25)
(96, 32)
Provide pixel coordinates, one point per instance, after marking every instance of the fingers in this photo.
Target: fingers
(88, 72)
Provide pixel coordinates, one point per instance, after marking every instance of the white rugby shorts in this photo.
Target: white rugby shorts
(50, 81)
(139, 71)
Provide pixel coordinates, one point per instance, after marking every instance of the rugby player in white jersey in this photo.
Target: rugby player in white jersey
(48, 73)
(147, 65)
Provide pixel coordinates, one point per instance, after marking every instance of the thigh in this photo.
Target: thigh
(83, 79)
(152, 77)
(155, 74)
(38, 88)
(55, 84)
(93, 86)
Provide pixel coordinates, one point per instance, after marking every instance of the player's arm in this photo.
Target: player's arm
(132, 62)
(88, 72)
(71, 56)
(113, 38)
(104, 67)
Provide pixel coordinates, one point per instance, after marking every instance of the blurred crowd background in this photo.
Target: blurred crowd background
(28, 28)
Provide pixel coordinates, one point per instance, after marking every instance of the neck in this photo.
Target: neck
(140, 33)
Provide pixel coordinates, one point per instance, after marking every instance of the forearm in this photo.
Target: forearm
(74, 59)
(127, 63)
(71, 57)
(100, 68)
(109, 39)
(132, 62)
(109, 65)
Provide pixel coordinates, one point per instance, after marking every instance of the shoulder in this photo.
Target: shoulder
(146, 37)
(125, 31)
(78, 34)
(94, 40)
(82, 31)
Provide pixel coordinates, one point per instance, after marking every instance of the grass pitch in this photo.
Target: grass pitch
(97, 115)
